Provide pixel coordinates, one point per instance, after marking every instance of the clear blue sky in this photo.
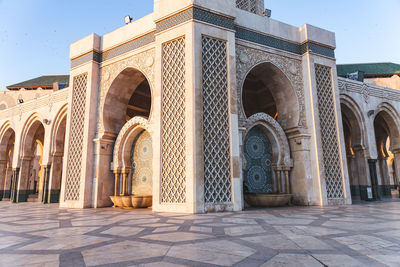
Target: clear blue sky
(35, 34)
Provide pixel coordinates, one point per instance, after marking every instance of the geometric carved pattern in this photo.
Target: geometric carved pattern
(75, 147)
(252, 6)
(141, 162)
(258, 154)
(217, 169)
(173, 130)
(330, 145)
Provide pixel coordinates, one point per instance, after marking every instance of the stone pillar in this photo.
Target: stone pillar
(362, 171)
(396, 163)
(22, 182)
(117, 174)
(103, 188)
(3, 177)
(54, 179)
(195, 70)
(14, 185)
(79, 181)
(374, 178)
(7, 182)
(46, 180)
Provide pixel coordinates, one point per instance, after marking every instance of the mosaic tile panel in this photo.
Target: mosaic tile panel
(217, 169)
(173, 130)
(76, 135)
(141, 162)
(258, 170)
(329, 137)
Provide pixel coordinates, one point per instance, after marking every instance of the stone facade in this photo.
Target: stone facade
(204, 106)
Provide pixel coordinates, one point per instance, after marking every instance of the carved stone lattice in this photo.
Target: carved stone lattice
(329, 137)
(144, 62)
(247, 58)
(253, 6)
(75, 147)
(217, 170)
(173, 130)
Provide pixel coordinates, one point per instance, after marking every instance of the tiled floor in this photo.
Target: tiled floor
(365, 234)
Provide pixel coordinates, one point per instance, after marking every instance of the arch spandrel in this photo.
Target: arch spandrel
(143, 62)
(248, 58)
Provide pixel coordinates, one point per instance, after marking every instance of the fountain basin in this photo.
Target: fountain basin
(267, 200)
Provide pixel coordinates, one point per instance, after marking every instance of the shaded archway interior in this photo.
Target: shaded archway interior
(128, 96)
(385, 134)
(31, 177)
(7, 153)
(355, 153)
(266, 89)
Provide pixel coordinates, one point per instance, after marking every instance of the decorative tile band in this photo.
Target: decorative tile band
(211, 18)
(117, 51)
(300, 49)
(195, 14)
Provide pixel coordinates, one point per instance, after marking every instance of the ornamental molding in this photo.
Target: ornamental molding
(143, 62)
(127, 129)
(367, 91)
(266, 120)
(248, 58)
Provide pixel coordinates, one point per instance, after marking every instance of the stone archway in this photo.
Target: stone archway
(30, 179)
(133, 157)
(53, 172)
(387, 137)
(267, 162)
(128, 97)
(7, 142)
(354, 135)
(266, 89)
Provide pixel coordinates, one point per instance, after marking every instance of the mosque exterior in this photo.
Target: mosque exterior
(202, 106)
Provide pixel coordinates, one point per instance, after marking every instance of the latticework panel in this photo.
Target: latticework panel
(217, 169)
(173, 130)
(75, 146)
(250, 5)
(329, 137)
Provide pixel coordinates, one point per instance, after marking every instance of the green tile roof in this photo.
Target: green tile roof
(369, 69)
(43, 81)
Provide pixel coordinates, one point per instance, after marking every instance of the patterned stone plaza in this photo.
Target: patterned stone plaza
(365, 234)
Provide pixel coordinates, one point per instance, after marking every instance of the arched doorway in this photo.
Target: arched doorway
(6, 158)
(127, 108)
(133, 154)
(386, 137)
(359, 177)
(266, 89)
(54, 172)
(30, 184)
(128, 96)
(271, 106)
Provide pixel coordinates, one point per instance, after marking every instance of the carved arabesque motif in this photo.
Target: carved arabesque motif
(247, 58)
(144, 62)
